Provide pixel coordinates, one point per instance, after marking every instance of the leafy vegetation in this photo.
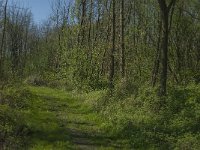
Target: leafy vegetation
(101, 74)
(140, 119)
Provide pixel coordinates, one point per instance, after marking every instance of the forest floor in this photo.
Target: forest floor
(59, 120)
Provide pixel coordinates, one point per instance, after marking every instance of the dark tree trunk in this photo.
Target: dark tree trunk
(2, 40)
(112, 58)
(165, 11)
(122, 40)
(157, 59)
(164, 56)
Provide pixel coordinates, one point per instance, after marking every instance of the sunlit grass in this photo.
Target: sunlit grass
(60, 120)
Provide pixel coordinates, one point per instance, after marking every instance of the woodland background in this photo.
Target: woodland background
(139, 60)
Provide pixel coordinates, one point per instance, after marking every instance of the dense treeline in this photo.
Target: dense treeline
(100, 42)
(123, 46)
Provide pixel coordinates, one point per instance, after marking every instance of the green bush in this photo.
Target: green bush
(188, 142)
(151, 122)
(13, 128)
(16, 98)
(124, 88)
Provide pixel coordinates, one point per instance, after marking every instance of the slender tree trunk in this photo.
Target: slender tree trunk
(83, 17)
(112, 58)
(90, 40)
(164, 56)
(3, 40)
(157, 60)
(122, 40)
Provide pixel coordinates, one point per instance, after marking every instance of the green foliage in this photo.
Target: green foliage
(147, 124)
(136, 116)
(16, 98)
(50, 79)
(124, 88)
(188, 141)
(13, 127)
(73, 51)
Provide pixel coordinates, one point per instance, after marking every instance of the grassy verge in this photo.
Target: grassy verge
(44, 118)
(56, 119)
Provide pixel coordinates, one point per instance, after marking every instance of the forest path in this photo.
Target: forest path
(59, 120)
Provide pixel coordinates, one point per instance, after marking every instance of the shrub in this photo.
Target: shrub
(16, 98)
(188, 141)
(124, 88)
(13, 128)
(146, 123)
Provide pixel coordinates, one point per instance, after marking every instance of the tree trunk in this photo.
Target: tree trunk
(122, 40)
(165, 11)
(112, 58)
(2, 40)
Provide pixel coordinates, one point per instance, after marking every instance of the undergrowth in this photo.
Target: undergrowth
(13, 127)
(134, 114)
(139, 116)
